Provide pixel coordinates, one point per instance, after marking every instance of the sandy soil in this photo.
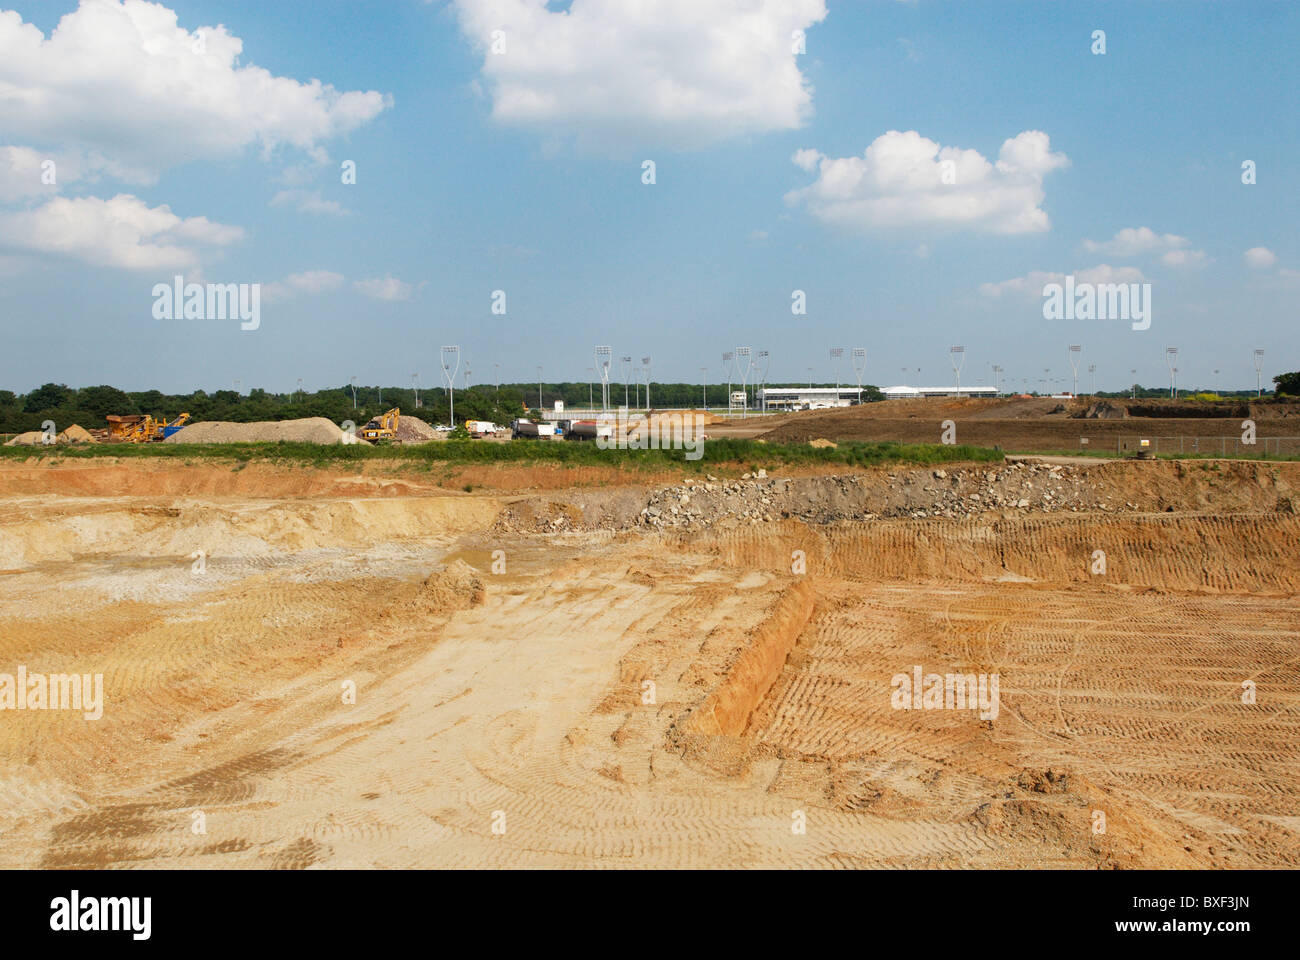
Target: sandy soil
(1027, 425)
(612, 694)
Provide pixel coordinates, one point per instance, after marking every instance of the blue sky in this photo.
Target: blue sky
(522, 171)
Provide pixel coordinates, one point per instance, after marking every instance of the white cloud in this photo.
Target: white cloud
(384, 288)
(309, 282)
(1184, 258)
(1260, 258)
(122, 79)
(904, 179)
(121, 232)
(308, 201)
(1031, 285)
(678, 72)
(1143, 241)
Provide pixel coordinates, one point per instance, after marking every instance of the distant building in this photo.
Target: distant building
(916, 393)
(807, 398)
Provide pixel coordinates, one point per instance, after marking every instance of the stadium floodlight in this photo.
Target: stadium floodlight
(1075, 354)
(1171, 358)
(591, 375)
(704, 390)
(627, 365)
(743, 367)
(859, 367)
(539, 388)
(958, 355)
(450, 364)
(603, 357)
(997, 378)
(1133, 373)
(496, 378)
(468, 373)
(645, 364)
(726, 365)
(1259, 368)
(837, 354)
(1092, 372)
(415, 385)
(761, 367)
(352, 381)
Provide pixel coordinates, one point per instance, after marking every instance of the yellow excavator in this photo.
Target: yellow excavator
(383, 427)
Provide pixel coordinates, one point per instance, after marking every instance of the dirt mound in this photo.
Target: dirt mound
(1102, 410)
(414, 430)
(76, 434)
(308, 430)
(32, 438)
(456, 586)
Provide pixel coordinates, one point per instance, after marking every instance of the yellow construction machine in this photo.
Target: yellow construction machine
(382, 427)
(142, 428)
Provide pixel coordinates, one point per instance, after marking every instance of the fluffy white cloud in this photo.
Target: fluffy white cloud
(1182, 259)
(308, 282)
(122, 79)
(904, 179)
(1031, 285)
(308, 201)
(1260, 258)
(121, 232)
(1143, 241)
(681, 72)
(384, 288)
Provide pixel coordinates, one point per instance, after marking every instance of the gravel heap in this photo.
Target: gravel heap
(413, 429)
(308, 430)
(916, 494)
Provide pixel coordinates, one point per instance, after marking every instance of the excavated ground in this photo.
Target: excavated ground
(569, 678)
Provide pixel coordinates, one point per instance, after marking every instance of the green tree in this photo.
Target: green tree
(47, 397)
(103, 400)
(1288, 383)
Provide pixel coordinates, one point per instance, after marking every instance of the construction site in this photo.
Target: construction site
(536, 664)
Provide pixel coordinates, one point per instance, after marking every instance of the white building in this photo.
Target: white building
(905, 392)
(807, 398)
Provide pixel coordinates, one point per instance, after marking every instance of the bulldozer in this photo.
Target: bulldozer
(382, 427)
(142, 428)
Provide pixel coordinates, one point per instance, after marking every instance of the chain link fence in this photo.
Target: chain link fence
(1233, 446)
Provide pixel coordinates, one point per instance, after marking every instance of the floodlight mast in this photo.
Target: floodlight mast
(762, 367)
(354, 391)
(1171, 359)
(603, 357)
(645, 362)
(627, 365)
(743, 367)
(1259, 368)
(837, 354)
(997, 378)
(1092, 372)
(726, 363)
(1074, 353)
(450, 364)
(859, 367)
(415, 383)
(958, 356)
(704, 390)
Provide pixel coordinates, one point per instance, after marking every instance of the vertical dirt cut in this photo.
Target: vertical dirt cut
(727, 709)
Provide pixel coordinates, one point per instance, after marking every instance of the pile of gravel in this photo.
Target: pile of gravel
(308, 430)
(414, 430)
